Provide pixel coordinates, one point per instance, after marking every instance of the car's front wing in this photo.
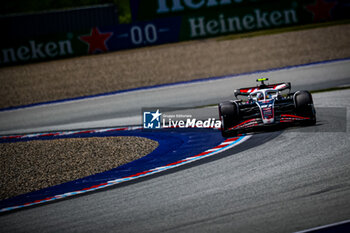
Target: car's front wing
(257, 122)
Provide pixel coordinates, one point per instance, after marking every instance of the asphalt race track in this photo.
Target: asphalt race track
(125, 108)
(280, 181)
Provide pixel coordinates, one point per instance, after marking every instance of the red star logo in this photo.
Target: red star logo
(96, 40)
(321, 10)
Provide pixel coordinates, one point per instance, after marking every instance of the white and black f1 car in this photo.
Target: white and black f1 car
(266, 106)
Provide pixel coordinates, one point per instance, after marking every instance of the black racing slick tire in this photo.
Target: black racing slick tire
(229, 116)
(304, 107)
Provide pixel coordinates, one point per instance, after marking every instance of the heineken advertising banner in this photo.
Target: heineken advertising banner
(208, 18)
(151, 9)
(240, 20)
(96, 40)
(309, 10)
(173, 21)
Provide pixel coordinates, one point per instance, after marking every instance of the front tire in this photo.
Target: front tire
(229, 116)
(304, 107)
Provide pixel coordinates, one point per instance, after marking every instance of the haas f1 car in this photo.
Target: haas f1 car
(266, 106)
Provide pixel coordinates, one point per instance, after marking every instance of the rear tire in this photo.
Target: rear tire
(229, 117)
(304, 107)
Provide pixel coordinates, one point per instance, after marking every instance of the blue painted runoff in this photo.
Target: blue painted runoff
(174, 145)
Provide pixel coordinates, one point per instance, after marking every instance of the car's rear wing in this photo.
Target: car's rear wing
(247, 90)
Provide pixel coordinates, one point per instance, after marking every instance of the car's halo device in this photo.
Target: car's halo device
(265, 106)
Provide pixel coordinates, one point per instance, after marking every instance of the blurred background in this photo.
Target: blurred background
(39, 30)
